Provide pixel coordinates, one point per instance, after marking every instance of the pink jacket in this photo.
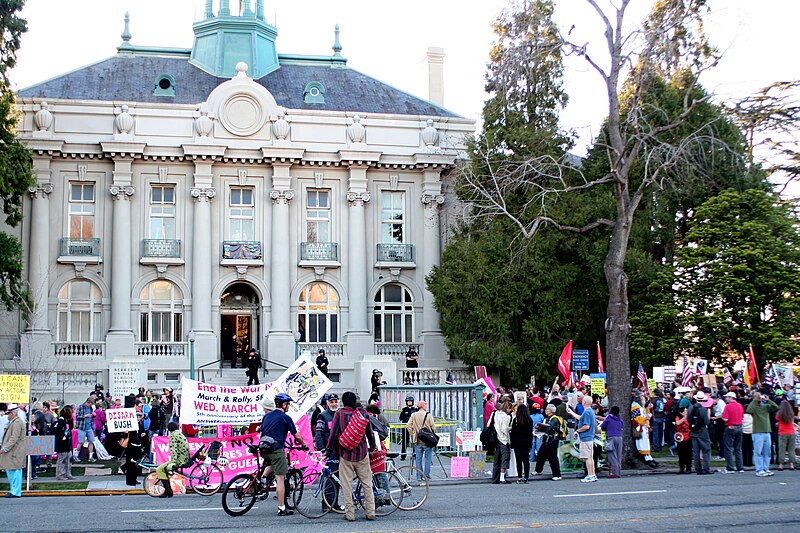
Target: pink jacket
(99, 420)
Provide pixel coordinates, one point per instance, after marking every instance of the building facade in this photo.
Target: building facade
(192, 202)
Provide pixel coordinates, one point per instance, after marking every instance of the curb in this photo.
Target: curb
(85, 492)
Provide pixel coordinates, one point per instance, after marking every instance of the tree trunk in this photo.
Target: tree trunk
(617, 330)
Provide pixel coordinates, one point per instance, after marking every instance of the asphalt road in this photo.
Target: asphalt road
(637, 503)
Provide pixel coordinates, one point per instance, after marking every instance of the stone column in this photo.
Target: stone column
(434, 352)
(281, 281)
(201, 259)
(38, 257)
(122, 195)
(357, 262)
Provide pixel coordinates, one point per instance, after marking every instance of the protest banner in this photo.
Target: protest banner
(651, 385)
(669, 373)
(598, 384)
(700, 367)
(444, 440)
(15, 388)
(459, 467)
(120, 420)
(41, 445)
(207, 404)
(785, 372)
(658, 374)
(304, 382)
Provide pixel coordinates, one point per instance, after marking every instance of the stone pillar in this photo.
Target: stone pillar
(434, 352)
(122, 194)
(281, 334)
(359, 341)
(38, 256)
(201, 259)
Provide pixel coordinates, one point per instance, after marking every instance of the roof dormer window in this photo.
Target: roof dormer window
(165, 85)
(314, 93)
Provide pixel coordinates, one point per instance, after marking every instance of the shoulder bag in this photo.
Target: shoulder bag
(426, 436)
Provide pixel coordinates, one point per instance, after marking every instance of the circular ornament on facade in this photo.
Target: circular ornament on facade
(242, 114)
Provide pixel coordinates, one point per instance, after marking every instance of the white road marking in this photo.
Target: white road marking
(607, 493)
(174, 510)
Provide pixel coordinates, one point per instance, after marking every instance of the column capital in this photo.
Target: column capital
(203, 194)
(358, 199)
(121, 192)
(282, 196)
(432, 199)
(43, 190)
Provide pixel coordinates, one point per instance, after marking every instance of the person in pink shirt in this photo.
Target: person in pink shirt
(489, 407)
(732, 417)
(100, 420)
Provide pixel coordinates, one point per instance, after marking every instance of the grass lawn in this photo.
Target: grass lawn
(71, 485)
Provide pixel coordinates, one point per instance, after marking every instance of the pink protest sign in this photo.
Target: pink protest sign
(459, 467)
(224, 431)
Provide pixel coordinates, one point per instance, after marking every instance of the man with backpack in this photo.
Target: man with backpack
(347, 441)
(554, 429)
(698, 431)
(659, 407)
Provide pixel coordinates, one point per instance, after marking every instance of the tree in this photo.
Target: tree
(641, 146)
(15, 166)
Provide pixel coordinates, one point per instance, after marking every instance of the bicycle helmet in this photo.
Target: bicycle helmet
(283, 397)
(409, 398)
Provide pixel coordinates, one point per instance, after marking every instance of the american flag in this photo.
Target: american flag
(642, 375)
(726, 376)
(687, 375)
(770, 377)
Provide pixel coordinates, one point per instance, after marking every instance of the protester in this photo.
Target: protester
(377, 459)
(731, 418)
(717, 429)
(277, 425)
(421, 419)
(521, 435)
(554, 429)
(48, 417)
(612, 425)
(586, 430)
(322, 433)
(322, 362)
(100, 420)
(786, 434)
(536, 418)
(14, 451)
(134, 451)
(658, 421)
(62, 431)
(354, 461)
(760, 407)
(698, 431)
(489, 407)
(156, 417)
(683, 442)
(405, 416)
(641, 430)
(85, 424)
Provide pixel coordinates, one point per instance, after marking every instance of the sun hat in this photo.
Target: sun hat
(700, 396)
(268, 403)
(730, 395)
(11, 407)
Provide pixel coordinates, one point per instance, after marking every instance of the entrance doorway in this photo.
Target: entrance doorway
(239, 327)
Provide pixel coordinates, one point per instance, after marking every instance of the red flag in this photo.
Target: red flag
(565, 361)
(600, 367)
(755, 366)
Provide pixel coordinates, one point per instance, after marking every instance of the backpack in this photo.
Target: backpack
(696, 421)
(354, 432)
(489, 435)
(562, 428)
(659, 405)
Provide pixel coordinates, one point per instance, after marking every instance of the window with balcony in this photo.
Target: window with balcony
(318, 216)
(394, 314)
(241, 214)
(80, 317)
(318, 313)
(161, 312)
(162, 212)
(393, 216)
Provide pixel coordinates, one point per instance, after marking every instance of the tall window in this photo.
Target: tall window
(318, 314)
(80, 317)
(81, 210)
(162, 212)
(242, 214)
(393, 217)
(318, 216)
(161, 313)
(394, 314)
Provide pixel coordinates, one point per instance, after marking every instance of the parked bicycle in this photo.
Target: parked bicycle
(414, 493)
(204, 475)
(317, 493)
(243, 490)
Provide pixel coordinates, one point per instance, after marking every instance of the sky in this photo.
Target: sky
(388, 41)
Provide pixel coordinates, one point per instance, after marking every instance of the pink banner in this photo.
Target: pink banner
(234, 449)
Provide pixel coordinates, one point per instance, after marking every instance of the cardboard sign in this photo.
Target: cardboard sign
(599, 386)
(444, 440)
(119, 420)
(669, 374)
(459, 467)
(477, 464)
(651, 385)
(15, 388)
(42, 445)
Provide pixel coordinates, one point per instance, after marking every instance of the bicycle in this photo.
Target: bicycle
(243, 490)
(414, 496)
(317, 493)
(205, 478)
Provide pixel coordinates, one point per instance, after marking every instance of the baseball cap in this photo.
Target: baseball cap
(730, 395)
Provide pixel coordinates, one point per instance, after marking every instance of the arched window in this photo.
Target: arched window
(318, 314)
(161, 312)
(394, 314)
(80, 314)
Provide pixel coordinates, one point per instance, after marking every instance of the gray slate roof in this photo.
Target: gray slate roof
(126, 78)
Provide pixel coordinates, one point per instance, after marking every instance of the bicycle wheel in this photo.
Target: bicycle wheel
(308, 496)
(414, 495)
(331, 494)
(385, 503)
(206, 479)
(152, 485)
(240, 494)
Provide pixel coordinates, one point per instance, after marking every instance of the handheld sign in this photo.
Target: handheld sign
(120, 420)
(15, 388)
(580, 359)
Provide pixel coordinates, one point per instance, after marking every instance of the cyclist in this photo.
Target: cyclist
(179, 456)
(277, 424)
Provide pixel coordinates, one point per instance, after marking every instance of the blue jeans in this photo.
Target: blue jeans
(761, 451)
(658, 434)
(421, 450)
(537, 443)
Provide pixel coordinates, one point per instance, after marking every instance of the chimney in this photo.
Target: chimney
(436, 75)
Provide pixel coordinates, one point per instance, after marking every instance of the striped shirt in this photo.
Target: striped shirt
(340, 421)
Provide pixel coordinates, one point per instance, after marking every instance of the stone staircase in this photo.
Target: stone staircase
(229, 376)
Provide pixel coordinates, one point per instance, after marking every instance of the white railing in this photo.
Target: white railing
(332, 349)
(396, 350)
(161, 349)
(436, 376)
(79, 350)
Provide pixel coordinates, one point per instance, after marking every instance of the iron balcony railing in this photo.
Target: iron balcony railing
(396, 253)
(319, 251)
(79, 247)
(241, 250)
(170, 248)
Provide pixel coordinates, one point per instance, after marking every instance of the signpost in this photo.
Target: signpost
(580, 360)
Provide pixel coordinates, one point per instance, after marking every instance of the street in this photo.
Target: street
(636, 503)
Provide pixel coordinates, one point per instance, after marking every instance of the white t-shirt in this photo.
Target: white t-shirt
(719, 407)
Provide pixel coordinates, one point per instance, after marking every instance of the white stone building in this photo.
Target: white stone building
(188, 195)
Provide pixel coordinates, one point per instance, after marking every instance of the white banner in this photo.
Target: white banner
(304, 382)
(700, 367)
(119, 420)
(658, 374)
(207, 404)
(669, 374)
(785, 372)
